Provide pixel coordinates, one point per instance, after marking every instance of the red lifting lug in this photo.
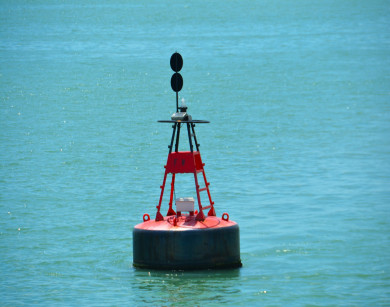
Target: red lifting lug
(225, 216)
(146, 217)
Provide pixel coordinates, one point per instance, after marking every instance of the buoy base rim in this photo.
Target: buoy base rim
(168, 248)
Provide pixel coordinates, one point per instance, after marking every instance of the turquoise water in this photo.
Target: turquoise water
(297, 151)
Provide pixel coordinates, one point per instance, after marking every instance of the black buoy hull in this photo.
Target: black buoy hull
(190, 249)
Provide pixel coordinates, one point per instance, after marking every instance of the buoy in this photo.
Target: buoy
(185, 239)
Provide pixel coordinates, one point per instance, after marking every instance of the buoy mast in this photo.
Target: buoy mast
(184, 161)
(192, 240)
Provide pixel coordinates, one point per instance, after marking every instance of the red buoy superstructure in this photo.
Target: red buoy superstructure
(185, 238)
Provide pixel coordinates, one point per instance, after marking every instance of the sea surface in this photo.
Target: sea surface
(297, 151)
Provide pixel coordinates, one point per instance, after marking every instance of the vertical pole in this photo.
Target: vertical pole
(193, 132)
(177, 137)
(212, 210)
(173, 137)
(170, 210)
(177, 101)
(159, 216)
(200, 216)
(189, 137)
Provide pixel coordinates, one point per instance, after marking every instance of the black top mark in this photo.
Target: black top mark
(176, 82)
(176, 62)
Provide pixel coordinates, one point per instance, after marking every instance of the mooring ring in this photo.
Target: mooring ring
(146, 217)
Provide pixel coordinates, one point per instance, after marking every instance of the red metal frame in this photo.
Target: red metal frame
(185, 162)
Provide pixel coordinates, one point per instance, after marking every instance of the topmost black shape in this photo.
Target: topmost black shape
(176, 62)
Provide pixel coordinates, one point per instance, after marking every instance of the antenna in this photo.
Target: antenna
(177, 79)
